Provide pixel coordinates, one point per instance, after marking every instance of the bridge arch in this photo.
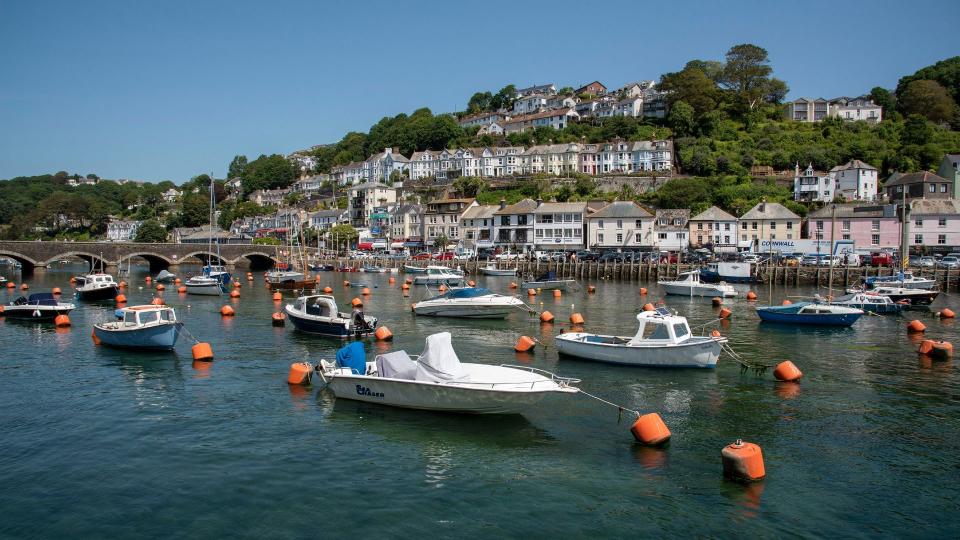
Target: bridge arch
(26, 263)
(156, 261)
(205, 257)
(95, 262)
(257, 260)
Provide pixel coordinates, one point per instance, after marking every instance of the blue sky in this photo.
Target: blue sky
(168, 90)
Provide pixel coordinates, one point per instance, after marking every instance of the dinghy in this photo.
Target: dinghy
(165, 277)
(40, 307)
(437, 380)
(492, 270)
(548, 281)
(809, 313)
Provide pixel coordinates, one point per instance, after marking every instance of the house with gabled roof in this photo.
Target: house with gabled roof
(620, 225)
(714, 228)
(767, 221)
(513, 225)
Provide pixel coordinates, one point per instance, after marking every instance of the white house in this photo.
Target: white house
(812, 186)
(363, 199)
(859, 108)
(559, 225)
(325, 219)
(529, 104)
(620, 225)
(670, 229)
(406, 226)
(714, 227)
(631, 106)
(546, 89)
(483, 119)
(442, 218)
(513, 225)
(171, 195)
(935, 224)
(557, 119)
(477, 226)
(493, 128)
(380, 166)
(856, 181)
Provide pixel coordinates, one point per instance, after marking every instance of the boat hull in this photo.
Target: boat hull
(696, 353)
(34, 313)
(839, 319)
(709, 276)
(696, 290)
(499, 271)
(880, 309)
(557, 284)
(464, 311)
(160, 337)
(100, 293)
(205, 290)
(431, 280)
(924, 298)
(328, 328)
(414, 269)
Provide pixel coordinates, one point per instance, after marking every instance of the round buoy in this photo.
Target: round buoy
(471, 283)
(93, 336)
(743, 461)
(383, 334)
(405, 287)
(785, 303)
(236, 285)
(443, 288)
(725, 313)
(751, 295)
(915, 327)
(513, 285)
(649, 307)
(346, 283)
(56, 290)
(300, 373)
(650, 430)
(524, 344)
(546, 317)
(947, 313)
(591, 289)
(1, 311)
(936, 349)
(277, 297)
(160, 287)
(157, 301)
(717, 301)
(576, 318)
(182, 289)
(61, 321)
(24, 287)
(177, 281)
(148, 279)
(787, 371)
(643, 291)
(121, 299)
(278, 319)
(531, 292)
(234, 294)
(715, 333)
(391, 280)
(408, 281)
(557, 293)
(202, 351)
(356, 302)
(227, 311)
(122, 284)
(366, 291)
(249, 277)
(74, 280)
(327, 290)
(11, 285)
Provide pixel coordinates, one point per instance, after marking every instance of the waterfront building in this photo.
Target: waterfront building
(513, 225)
(529, 104)
(325, 219)
(620, 225)
(204, 234)
(935, 225)
(812, 186)
(670, 229)
(715, 229)
(855, 181)
(950, 171)
(477, 226)
(381, 166)
(364, 199)
(559, 226)
(442, 217)
(768, 221)
(873, 226)
(406, 226)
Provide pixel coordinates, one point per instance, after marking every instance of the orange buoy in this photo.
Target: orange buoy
(936, 349)
(148, 279)
(383, 334)
(725, 313)
(177, 281)
(249, 277)
(234, 294)
(182, 289)
(391, 280)
(472, 283)
(649, 307)
(24, 287)
(405, 287)
(236, 285)
(327, 290)
(356, 302)
(715, 333)
(346, 283)
(278, 319)
(408, 281)
(591, 288)
(160, 287)
(524, 344)
(202, 351)
(546, 317)
(751, 295)
(11, 285)
(576, 318)
(1, 311)
(300, 373)
(717, 301)
(443, 288)
(366, 291)
(649, 429)
(227, 311)
(513, 285)
(157, 301)
(61, 321)
(122, 284)
(277, 297)
(785, 303)
(643, 291)
(947, 313)
(56, 290)
(743, 461)
(74, 280)
(556, 293)
(531, 292)
(916, 326)
(787, 371)
(121, 299)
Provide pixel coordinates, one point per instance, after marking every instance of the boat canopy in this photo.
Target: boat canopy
(439, 362)
(354, 357)
(43, 299)
(466, 292)
(321, 305)
(396, 365)
(548, 276)
(661, 326)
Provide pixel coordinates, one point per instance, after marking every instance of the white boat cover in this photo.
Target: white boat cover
(396, 365)
(439, 362)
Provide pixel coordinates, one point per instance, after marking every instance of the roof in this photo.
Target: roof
(328, 213)
(924, 177)
(369, 185)
(485, 211)
(854, 164)
(713, 214)
(853, 211)
(621, 209)
(557, 207)
(768, 210)
(545, 114)
(452, 201)
(935, 206)
(526, 206)
(670, 214)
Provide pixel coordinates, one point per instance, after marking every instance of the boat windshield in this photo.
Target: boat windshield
(681, 330)
(467, 292)
(147, 317)
(167, 315)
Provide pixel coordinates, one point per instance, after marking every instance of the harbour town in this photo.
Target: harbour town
(692, 303)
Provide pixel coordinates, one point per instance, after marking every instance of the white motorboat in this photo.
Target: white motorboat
(141, 327)
(492, 270)
(437, 275)
(663, 340)
(689, 284)
(40, 307)
(470, 303)
(318, 314)
(906, 280)
(438, 381)
(97, 287)
(867, 301)
(913, 297)
(204, 286)
(548, 281)
(410, 269)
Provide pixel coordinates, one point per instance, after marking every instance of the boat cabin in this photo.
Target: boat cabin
(147, 315)
(320, 305)
(662, 327)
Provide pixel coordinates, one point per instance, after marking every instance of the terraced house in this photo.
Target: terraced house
(620, 225)
(513, 225)
(714, 227)
(442, 218)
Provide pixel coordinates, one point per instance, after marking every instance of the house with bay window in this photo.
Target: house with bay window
(559, 226)
(442, 218)
(513, 225)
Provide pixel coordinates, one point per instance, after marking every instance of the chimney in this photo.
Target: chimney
(503, 203)
(763, 205)
(539, 202)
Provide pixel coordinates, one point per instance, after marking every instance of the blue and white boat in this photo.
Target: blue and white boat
(868, 301)
(318, 314)
(217, 272)
(809, 313)
(40, 307)
(728, 272)
(901, 279)
(140, 327)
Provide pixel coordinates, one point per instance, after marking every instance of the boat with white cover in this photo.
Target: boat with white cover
(913, 297)
(318, 314)
(97, 287)
(492, 270)
(438, 381)
(439, 275)
(410, 269)
(662, 340)
(689, 284)
(165, 277)
(867, 301)
(470, 303)
(146, 327)
(547, 282)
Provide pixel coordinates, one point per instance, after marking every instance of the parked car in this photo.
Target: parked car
(507, 256)
(445, 256)
(422, 256)
(610, 257)
(950, 262)
(926, 262)
(749, 258)
(586, 255)
(810, 260)
(851, 259)
(881, 258)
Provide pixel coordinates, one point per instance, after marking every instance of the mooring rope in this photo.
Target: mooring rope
(620, 408)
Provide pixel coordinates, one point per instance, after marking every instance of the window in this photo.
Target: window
(918, 222)
(681, 235)
(678, 222)
(539, 233)
(933, 188)
(941, 239)
(619, 223)
(662, 236)
(577, 233)
(568, 233)
(874, 239)
(699, 226)
(545, 218)
(943, 188)
(638, 224)
(726, 226)
(726, 239)
(773, 225)
(743, 237)
(846, 236)
(942, 222)
(918, 239)
(662, 221)
(899, 189)
(743, 225)
(875, 225)
(637, 238)
(753, 225)
(819, 225)
(789, 226)
(619, 238)
(600, 224)
(845, 226)
(521, 220)
(558, 233)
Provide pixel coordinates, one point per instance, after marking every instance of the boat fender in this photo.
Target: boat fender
(787, 371)
(93, 336)
(472, 283)
(649, 429)
(716, 334)
(743, 461)
(300, 373)
(649, 307)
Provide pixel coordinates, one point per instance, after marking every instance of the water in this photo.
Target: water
(111, 444)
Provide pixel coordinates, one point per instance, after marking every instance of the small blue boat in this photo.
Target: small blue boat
(809, 313)
(140, 327)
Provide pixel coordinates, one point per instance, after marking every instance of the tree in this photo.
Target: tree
(194, 210)
(945, 72)
(342, 236)
(681, 119)
(441, 242)
(479, 101)
(883, 98)
(693, 87)
(150, 231)
(504, 98)
(916, 130)
(237, 166)
(584, 186)
(928, 98)
(469, 186)
(267, 172)
(746, 73)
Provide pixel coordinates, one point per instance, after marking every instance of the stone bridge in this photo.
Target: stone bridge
(111, 255)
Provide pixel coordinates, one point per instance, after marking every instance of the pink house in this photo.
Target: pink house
(870, 227)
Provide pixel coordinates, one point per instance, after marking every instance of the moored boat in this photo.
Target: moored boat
(437, 380)
(410, 269)
(548, 281)
(470, 303)
(204, 286)
(373, 269)
(165, 277)
(318, 314)
(97, 287)
(662, 340)
(40, 307)
(728, 272)
(140, 327)
(809, 313)
(439, 275)
(913, 297)
(868, 301)
(906, 280)
(492, 270)
(690, 284)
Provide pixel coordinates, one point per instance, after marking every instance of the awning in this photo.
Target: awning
(396, 245)
(412, 244)
(379, 216)
(365, 245)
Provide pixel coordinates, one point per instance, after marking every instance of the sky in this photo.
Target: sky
(169, 90)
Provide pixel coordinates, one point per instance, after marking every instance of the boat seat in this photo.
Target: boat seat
(396, 365)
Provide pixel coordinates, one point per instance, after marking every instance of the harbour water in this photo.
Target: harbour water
(113, 444)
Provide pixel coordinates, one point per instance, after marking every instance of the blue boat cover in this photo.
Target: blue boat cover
(467, 292)
(42, 299)
(353, 356)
